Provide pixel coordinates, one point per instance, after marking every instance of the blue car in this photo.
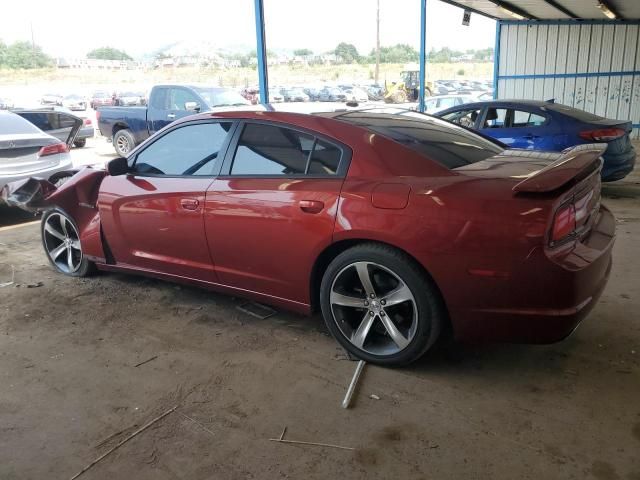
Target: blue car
(549, 126)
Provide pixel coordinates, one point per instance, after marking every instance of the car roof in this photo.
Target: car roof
(514, 102)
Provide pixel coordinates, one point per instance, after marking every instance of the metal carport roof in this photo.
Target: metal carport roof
(553, 9)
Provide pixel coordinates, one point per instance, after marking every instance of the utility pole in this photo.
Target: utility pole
(377, 41)
(33, 47)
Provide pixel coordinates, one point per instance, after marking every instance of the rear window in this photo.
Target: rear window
(580, 115)
(11, 123)
(449, 145)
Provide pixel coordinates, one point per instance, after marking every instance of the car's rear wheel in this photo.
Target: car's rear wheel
(61, 243)
(123, 142)
(380, 305)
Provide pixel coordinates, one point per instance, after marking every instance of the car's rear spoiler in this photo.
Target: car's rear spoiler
(573, 163)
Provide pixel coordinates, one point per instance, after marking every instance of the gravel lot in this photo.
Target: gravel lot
(71, 387)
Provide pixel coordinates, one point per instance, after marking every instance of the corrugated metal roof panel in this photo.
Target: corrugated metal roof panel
(545, 10)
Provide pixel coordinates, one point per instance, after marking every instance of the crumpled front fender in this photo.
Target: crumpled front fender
(29, 194)
(37, 194)
(77, 197)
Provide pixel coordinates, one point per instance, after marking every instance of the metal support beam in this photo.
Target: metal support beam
(496, 60)
(423, 53)
(509, 7)
(263, 77)
(562, 9)
(471, 9)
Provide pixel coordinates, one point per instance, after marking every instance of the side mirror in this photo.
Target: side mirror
(192, 106)
(118, 166)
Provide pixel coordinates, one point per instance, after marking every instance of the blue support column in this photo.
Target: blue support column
(496, 60)
(261, 46)
(423, 53)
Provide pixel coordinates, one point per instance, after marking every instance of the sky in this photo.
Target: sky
(142, 26)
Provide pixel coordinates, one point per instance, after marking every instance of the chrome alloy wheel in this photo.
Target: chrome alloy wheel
(122, 144)
(373, 308)
(62, 243)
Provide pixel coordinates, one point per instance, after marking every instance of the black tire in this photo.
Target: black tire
(81, 142)
(123, 142)
(429, 311)
(84, 266)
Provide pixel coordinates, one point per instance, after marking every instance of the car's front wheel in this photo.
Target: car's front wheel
(61, 242)
(380, 305)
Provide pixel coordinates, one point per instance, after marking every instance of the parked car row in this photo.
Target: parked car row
(98, 98)
(325, 93)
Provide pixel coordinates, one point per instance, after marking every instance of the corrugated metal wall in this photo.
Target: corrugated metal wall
(591, 66)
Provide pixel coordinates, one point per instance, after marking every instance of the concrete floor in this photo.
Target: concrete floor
(70, 387)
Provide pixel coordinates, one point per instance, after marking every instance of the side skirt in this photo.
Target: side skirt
(298, 307)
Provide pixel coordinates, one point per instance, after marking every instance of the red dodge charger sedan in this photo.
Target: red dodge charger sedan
(396, 226)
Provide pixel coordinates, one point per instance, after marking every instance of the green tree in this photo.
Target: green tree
(347, 52)
(400, 53)
(108, 53)
(302, 52)
(3, 53)
(23, 55)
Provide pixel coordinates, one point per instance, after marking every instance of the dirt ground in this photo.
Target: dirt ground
(71, 386)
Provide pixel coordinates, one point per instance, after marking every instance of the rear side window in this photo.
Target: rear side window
(495, 118)
(466, 118)
(270, 150)
(527, 119)
(449, 145)
(185, 151)
(579, 115)
(325, 159)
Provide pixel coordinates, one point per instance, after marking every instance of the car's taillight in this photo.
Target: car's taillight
(87, 121)
(97, 115)
(564, 223)
(602, 134)
(53, 149)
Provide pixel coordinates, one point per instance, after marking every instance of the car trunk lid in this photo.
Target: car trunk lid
(538, 172)
(19, 153)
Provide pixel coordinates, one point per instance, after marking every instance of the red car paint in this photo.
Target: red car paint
(480, 232)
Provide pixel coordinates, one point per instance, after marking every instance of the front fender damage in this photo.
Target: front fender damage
(67, 190)
(77, 197)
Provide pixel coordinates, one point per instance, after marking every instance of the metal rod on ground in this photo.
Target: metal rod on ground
(140, 430)
(298, 442)
(354, 382)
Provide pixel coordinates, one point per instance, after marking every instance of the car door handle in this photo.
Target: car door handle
(171, 116)
(311, 206)
(189, 203)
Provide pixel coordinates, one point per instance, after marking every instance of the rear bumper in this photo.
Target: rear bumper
(617, 165)
(551, 293)
(65, 164)
(85, 132)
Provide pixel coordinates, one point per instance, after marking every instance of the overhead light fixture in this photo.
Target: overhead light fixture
(604, 8)
(515, 15)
